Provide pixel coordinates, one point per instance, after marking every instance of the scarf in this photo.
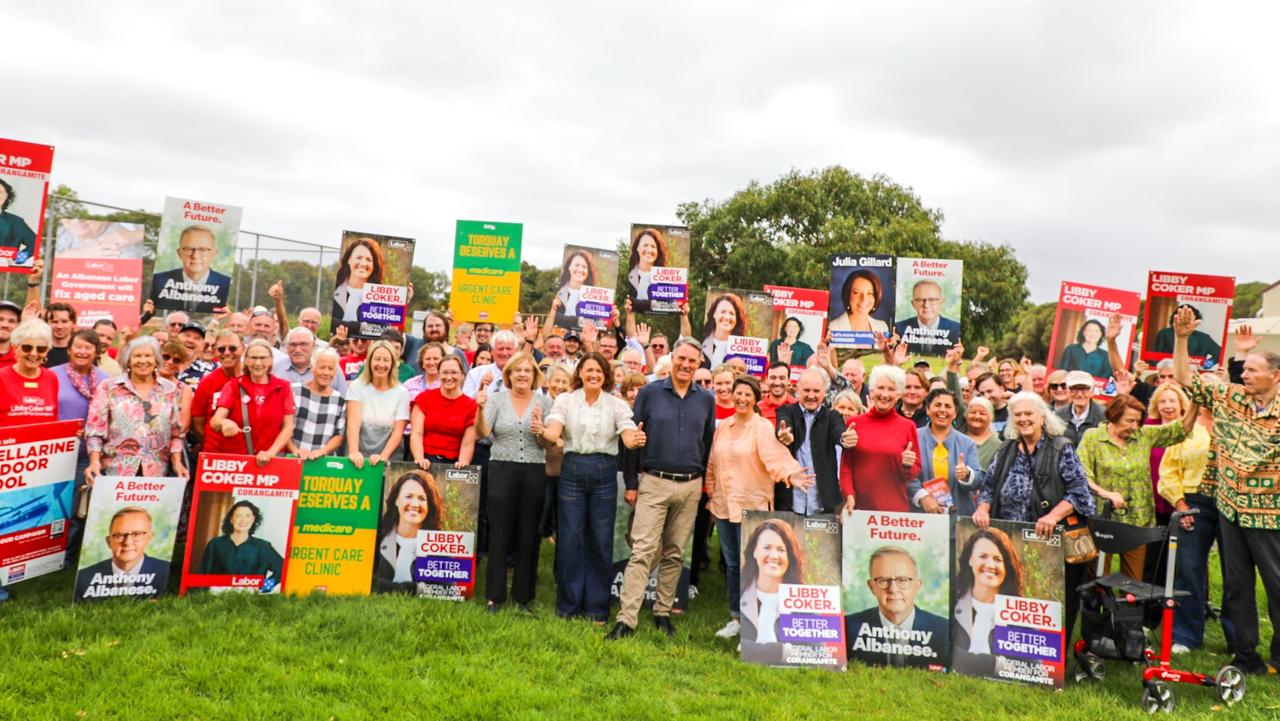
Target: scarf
(84, 384)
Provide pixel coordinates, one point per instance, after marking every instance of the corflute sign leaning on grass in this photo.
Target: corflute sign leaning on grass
(427, 534)
(128, 537)
(241, 518)
(335, 528)
(37, 463)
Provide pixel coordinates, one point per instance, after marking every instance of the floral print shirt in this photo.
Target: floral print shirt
(1127, 470)
(131, 432)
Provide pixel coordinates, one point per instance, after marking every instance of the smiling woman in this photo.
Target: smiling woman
(28, 391)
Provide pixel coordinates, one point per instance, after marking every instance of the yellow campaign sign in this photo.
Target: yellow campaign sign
(334, 544)
(486, 271)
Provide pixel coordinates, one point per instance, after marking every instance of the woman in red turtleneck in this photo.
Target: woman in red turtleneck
(874, 473)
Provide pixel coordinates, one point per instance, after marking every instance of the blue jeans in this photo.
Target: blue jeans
(731, 549)
(586, 508)
(1193, 575)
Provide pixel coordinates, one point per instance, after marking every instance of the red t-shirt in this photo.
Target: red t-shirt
(269, 403)
(446, 420)
(769, 409)
(873, 472)
(27, 400)
(8, 358)
(350, 365)
(205, 399)
(723, 412)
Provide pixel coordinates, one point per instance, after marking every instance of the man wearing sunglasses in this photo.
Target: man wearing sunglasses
(230, 349)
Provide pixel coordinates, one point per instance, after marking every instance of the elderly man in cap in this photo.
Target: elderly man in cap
(1082, 413)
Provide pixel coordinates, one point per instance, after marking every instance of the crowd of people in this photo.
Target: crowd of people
(553, 417)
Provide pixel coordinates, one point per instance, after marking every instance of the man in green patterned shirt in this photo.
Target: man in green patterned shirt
(1244, 468)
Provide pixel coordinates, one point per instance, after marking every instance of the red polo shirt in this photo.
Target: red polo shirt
(446, 421)
(269, 404)
(769, 409)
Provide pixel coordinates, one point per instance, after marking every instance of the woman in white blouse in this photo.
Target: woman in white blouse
(590, 420)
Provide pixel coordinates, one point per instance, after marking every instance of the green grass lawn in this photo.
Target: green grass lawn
(251, 657)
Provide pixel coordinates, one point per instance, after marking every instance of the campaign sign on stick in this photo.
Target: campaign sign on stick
(798, 327)
(658, 268)
(927, 315)
(1085, 313)
(486, 271)
(737, 326)
(128, 537)
(791, 606)
(37, 472)
(24, 188)
(195, 255)
(370, 292)
(335, 528)
(241, 523)
(1007, 591)
(585, 289)
(861, 299)
(897, 569)
(1208, 296)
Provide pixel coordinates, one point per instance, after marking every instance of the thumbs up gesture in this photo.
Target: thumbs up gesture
(638, 437)
(849, 438)
(535, 420)
(785, 436)
(908, 457)
(962, 470)
(486, 380)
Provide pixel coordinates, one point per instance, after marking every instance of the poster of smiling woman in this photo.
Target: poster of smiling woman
(370, 292)
(585, 289)
(24, 186)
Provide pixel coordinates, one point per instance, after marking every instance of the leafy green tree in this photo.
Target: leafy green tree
(1029, 333)
(783, 233)
(1248, 299)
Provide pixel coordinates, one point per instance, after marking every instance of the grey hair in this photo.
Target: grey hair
(1271, 357)
(254, 342)
(126, 355)
(326, 352)
(1053, 425)
(504, 337)
(982, 402)
(31, 330)
(820, 374)
(849, 395)
(686, 340)
(299, 330)
(1165, 363)
(892, 373)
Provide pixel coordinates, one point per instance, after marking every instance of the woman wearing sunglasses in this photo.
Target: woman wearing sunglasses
(29, 391)
(135, 419)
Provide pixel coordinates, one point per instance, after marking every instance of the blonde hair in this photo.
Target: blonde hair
(1183, 401)
(366, 371)
(515, 360)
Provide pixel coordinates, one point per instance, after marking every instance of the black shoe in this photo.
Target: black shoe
(664, 625)
(620, 630)
(526, 608)
(492, 607)
(1254, 666)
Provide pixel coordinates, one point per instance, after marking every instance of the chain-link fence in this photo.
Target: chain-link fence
(307, 268)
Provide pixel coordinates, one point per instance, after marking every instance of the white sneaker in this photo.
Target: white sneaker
(1179, 649)
(730, 629)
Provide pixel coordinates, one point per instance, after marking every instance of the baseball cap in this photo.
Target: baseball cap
(1075, 379)
(10, 305)
(573, 335)
(192, 325)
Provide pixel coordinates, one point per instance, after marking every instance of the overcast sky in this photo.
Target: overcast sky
(1099, 139)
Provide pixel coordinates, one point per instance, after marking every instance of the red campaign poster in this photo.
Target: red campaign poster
(241, 518)
(99, 288)
(799, 325)
(1209, 297)
(37, 484)
(24, 188)
(1080, 331)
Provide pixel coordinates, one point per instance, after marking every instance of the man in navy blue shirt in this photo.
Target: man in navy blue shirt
(679, 419)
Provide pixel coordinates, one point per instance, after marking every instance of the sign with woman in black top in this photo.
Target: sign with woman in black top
(24, 186)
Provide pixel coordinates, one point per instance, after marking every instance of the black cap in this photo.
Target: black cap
(573, 335)
(192, 325)
(10, 305)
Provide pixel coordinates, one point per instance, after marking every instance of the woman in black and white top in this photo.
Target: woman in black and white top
(321, 421)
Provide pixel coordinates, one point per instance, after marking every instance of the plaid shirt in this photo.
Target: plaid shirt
(319, 418)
